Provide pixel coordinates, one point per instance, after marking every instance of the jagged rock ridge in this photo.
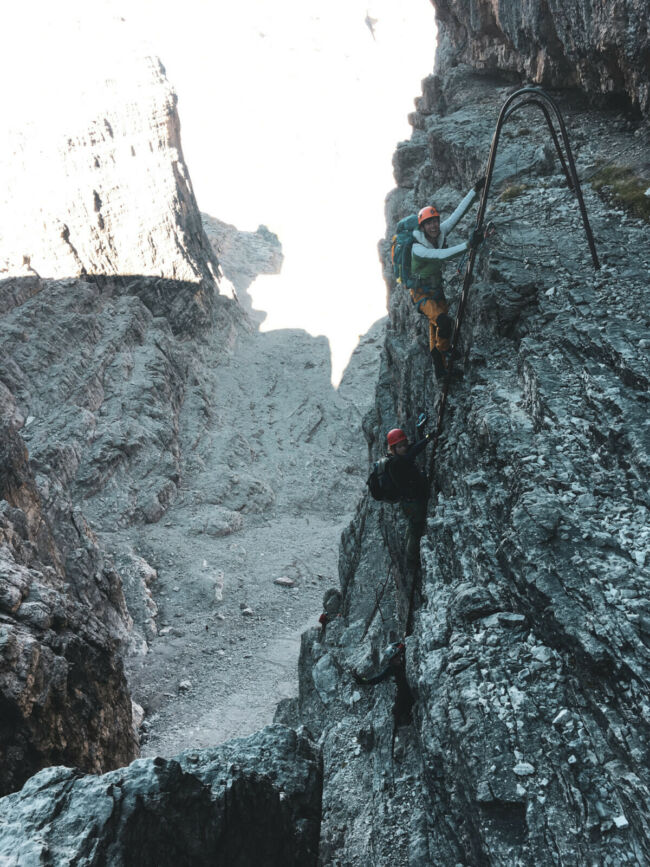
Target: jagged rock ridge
(244, 255)
(159, 424)
(249, 801)
(520, 732)
(602, 48)
(92, 377)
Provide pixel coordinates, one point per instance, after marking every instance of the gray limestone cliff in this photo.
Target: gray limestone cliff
(244, 256)
(103, 189)
(517, 732)
(602, 48)
(106, 272)
(153, 443)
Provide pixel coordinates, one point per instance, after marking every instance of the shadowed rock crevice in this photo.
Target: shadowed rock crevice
(64, 694)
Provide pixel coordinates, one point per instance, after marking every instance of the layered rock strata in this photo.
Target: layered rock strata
(142, 398)
(106, 272)
(101, 187)
(601, 48)
(63, 693)
(518, 731)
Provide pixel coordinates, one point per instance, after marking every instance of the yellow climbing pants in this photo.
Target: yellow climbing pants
(433, 305)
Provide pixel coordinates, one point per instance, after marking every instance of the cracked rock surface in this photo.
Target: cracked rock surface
(517, 732)
(175, 482)
(600, 47)
(63, 692)
(254, 800)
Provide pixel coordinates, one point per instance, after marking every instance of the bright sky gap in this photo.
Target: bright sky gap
(290, 113)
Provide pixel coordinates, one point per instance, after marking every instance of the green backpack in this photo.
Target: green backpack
(400, 251)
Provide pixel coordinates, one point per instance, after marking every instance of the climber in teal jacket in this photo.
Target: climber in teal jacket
(428, 257)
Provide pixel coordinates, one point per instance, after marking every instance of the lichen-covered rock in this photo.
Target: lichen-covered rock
(249, 801)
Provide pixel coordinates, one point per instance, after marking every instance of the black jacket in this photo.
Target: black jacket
(407, 478)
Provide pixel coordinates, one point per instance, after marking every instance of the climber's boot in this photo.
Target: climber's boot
(441, 362)
(438, 364)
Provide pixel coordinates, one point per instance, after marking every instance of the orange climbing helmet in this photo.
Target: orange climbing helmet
(395, 436)
(427, 213)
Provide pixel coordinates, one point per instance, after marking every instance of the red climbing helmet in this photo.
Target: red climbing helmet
(427, 213)
(395, 436)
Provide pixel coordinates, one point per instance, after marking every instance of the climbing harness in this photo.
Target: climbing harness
(525, 96)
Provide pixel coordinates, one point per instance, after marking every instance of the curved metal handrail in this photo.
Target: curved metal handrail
(528, 95)
(538, 97)
(549, 122)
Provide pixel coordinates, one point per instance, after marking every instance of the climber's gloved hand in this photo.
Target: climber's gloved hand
(480, 183)
(476, 238)
(422, 420)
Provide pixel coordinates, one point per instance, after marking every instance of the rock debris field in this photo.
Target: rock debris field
(235, 587)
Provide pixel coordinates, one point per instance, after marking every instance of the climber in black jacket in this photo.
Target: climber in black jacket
(410, 484)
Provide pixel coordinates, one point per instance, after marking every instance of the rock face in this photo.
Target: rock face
(244, 256)
(156, 444)
(602, 48)
(63, 694)
(518, 730)
(269, 452)
(105, 190)
(107, 271)
(254, 801)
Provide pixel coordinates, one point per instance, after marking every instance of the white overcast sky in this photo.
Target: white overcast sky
(290, 112)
